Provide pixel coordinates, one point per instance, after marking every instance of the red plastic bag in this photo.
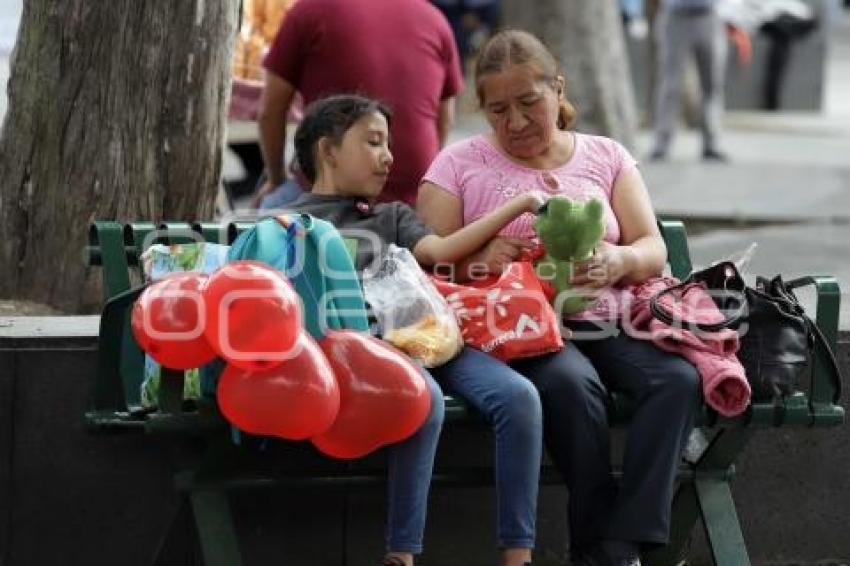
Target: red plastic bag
(507, 316)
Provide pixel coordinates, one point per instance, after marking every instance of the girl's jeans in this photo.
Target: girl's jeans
(510, 403)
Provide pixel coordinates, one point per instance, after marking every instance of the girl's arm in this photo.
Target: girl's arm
(464, 241)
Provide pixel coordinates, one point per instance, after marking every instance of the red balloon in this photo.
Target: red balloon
(168, 321)
(384, 398)
(296, 399)
(253, 315)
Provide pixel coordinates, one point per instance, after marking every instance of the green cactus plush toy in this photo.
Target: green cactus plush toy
(569, 231)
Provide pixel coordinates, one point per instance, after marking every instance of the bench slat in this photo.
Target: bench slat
(347, 475)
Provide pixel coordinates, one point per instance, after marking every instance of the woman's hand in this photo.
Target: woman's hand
(608, 264)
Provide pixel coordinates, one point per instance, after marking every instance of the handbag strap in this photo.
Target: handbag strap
(661, 313)
(820, 339)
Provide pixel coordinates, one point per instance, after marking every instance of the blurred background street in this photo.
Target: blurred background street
(787, 187)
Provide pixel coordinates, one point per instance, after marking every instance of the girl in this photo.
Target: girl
(342, 146)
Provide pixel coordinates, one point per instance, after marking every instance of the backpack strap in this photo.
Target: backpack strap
(312, 255)
(345, 305)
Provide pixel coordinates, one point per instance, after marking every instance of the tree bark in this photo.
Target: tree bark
(586, 36)
(116, 111)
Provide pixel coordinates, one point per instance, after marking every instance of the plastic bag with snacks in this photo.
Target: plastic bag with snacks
(411, 314)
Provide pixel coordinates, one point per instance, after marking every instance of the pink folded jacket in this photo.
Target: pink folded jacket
(724, 383)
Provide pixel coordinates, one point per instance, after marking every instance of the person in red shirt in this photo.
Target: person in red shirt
(401, 52)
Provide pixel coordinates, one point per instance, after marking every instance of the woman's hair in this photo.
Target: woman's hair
(516, 47)
(330, 118)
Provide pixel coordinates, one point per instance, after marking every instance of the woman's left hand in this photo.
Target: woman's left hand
(604, 268)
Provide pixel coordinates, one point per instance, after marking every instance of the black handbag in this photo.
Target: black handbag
(777, 337)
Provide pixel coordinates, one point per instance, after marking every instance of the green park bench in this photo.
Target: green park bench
(704, 493)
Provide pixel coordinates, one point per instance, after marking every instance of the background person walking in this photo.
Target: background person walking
(688, 28)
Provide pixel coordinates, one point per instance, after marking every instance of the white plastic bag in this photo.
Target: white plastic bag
(412, 314)
(742, 259)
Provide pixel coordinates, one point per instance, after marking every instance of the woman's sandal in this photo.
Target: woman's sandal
(392, 561)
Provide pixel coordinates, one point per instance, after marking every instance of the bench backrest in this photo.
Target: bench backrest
(117, 247)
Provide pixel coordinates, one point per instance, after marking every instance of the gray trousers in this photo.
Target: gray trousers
(680, 35)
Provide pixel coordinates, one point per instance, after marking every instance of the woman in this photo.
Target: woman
(531, 147)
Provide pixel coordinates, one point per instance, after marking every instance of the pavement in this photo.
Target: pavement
(786, 188)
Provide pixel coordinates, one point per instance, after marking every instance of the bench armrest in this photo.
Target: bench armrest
(106, 248)
(821, 410)
(117, 353)
(823, 389)
(676, 239)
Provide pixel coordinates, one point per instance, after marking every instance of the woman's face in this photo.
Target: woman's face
(362, 160)
(522, 109)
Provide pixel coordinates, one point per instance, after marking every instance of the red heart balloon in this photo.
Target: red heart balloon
(383, 396)
(168, 321)
(296, 399)
(253, 314)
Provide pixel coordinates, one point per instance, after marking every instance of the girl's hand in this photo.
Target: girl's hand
(534, 200)
(530, 201)
(501, 251)
(604, 268)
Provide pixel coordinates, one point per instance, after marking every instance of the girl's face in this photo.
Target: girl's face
(522, 109)
(361, 161)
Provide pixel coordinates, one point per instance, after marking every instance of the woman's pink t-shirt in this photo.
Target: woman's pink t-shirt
(484, 179)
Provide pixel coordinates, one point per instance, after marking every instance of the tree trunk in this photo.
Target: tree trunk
(116, 111)
(586, 36)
